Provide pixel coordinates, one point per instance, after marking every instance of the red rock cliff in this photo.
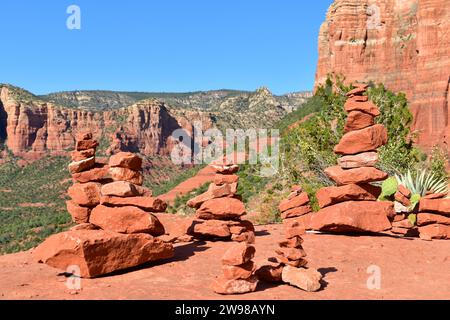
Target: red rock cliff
(404, 44)
(34, 128)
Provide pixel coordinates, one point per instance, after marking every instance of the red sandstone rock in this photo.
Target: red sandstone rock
(247, 236)
(226, 169)
(145, 203)
(126, 160)
(399, 217)
(124, 174)
(210, 229)
(293, 263)
(355, 176)
(84, 226)
(86, 145)
(360, 98)
(85, 194)
(424, 219)
(441, 206)
(305, 279)
(100, 252)
(434, 196)
(82, 155)
(367, 107)
(82, 165)
(405, 224)
(120, 189)
(220, 179)
(291, 253)
(402, 199)
(126, 220)
(356, 91)
(368, 139)
(293, 228)
(221, 209)
(238, 254)
(296, 212)
(79, 214)
(224, 286)
(270, 273)
(224, 190)
(332, 195)
(244, 271)
(354, 216)
(291, 243)
(365, 159)
(404, 191)
(357, 120)
(295, 202)
(98, 173)
(434, 231)
(399, 230)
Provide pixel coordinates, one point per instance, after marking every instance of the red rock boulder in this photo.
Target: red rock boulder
(98, 252)
(351, 192)
(126, 160)
(355, 176)
(145, 203)
(354, 216)
(357, 120)
(368, 139)
(441, 206)
(126, 220)
(221, 209)
(85, 194)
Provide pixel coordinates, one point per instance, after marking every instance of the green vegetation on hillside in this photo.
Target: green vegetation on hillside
(32, 202)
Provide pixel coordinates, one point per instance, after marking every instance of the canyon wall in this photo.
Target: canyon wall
(32, 129)
(404, 44)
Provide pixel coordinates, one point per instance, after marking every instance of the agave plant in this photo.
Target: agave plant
(422, 182)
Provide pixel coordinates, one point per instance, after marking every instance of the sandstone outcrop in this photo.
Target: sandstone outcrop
(402, 44)
(33, 128)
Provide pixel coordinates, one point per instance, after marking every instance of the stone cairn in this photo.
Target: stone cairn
(238, 271)
(352, 205)
(433, 218)
(219, 210)
(290, 259)
(116, 228)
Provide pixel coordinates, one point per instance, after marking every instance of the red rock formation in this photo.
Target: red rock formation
(403, 44)
(35, 128)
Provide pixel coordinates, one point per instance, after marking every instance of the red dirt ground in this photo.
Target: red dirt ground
(410, 269)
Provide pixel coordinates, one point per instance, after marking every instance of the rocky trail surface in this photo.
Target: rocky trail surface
(410, 269)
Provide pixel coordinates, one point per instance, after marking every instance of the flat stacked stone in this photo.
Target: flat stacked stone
(433, 218)
(219, 210)
(116, 227)
(352, 205)
(238, 271)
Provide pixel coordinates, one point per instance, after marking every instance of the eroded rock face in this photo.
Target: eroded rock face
(403, 44)
(36, 128)
(98, 252)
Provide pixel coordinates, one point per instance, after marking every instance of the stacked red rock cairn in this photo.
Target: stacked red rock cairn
(433, 218)
(116, 228)
(238, 271)
(219, 210)
(401, 224)
(352, 205)
(290, 256)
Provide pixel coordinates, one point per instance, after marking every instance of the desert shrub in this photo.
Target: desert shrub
(422, 181)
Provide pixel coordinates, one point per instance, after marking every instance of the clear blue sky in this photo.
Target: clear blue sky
(165, 45)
